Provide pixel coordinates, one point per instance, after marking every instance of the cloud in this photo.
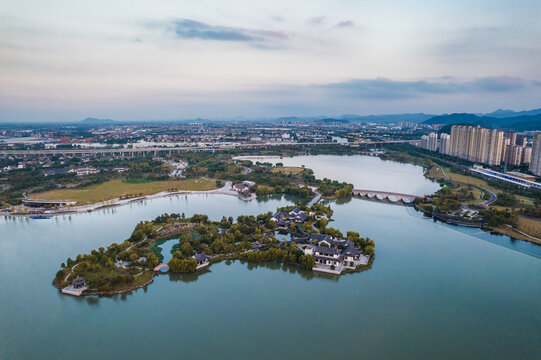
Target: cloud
(487, 41)
(277, 18)
(498, 83)
(382, 88)
(345, 24)
(318, 20)
(191, 29)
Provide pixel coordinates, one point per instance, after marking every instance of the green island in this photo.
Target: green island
(201, 242)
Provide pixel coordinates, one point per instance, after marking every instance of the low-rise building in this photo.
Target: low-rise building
(284, 219)
(84, 170)
(241, 188)
(202, 260)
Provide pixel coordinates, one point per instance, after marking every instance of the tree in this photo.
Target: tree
(292, 227)
(134, 256)
(307, 261)
(186, 248)
(217, 246)
(353, 236)
(369, 250)
(182, 266)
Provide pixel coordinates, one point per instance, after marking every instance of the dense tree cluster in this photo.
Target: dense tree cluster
(496, 217)
(448, 200)
(99, 270)
(506, 199)
(142, 230)
(291, 255)
(329, 187)
(179, 264)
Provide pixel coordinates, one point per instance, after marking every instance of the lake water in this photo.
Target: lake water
(364, 172)
(435, 291)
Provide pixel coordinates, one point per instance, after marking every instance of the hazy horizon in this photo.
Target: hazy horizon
(136, 61)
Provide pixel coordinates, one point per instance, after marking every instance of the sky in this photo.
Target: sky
(162, 60)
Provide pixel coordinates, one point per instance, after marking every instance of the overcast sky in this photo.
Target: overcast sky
(144, 60)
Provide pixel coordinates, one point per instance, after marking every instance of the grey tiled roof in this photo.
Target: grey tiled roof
(327, 250)
(201, 257)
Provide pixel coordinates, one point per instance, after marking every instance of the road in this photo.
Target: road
(490, 201)
(485, 203)
(170, 150)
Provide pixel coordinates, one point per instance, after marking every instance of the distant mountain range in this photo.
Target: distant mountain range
(500, 113)
(504, 119)
(387, 118)
(97, 121)
(500, 119)
(381, 119)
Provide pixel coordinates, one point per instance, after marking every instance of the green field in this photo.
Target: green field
(118, 188)
(529, 226)
(288, 170)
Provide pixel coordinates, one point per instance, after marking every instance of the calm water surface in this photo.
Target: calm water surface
(364, 172)
(434, 291)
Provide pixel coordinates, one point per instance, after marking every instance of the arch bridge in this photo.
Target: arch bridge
(384, 195)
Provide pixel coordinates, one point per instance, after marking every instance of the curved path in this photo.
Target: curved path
(490, 201)
(485, 203)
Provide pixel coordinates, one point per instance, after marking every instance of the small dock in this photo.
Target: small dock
(72, 290)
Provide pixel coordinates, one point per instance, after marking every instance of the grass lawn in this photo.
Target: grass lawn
(118, 188)
(144, 277)
(530, 226)
(288, 170)
(507, 230)
(477, 196)
(138, 281)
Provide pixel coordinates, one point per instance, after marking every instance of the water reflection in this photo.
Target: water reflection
(269, 265)
(188, 278)
(344, 200)
(92, 300)
(291, 269)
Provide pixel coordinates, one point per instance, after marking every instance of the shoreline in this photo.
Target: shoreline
(508, 230)
(249, 157)
(227, 189)
(235, 257)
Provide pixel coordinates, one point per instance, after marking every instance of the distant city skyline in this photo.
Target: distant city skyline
(129, 61)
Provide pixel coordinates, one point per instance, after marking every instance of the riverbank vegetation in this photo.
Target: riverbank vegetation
(515, 212)
(457, 170)
(269, 179)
